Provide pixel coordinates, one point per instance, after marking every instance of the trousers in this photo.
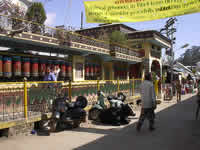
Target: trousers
(146, 113)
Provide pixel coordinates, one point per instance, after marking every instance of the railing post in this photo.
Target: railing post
(98, 85)
(133, 86)
(25, 100)
(118, 86)
(70, 90)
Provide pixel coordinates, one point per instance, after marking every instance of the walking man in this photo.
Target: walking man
(148, 98)
(178, 90)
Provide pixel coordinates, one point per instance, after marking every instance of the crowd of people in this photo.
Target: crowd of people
(184, 87)
(148, 97)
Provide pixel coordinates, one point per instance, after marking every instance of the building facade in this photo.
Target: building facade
(148, 44)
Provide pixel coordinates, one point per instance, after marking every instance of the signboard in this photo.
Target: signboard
(109, 11)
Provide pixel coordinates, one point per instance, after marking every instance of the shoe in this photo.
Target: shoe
(116, 124)
(138, 128)
(152, 128)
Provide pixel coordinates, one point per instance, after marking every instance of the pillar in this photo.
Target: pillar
(78, 72)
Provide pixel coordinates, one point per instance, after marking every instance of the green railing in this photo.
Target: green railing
(24, 100)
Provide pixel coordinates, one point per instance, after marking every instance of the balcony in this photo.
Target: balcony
(125, 53)
(57, 40)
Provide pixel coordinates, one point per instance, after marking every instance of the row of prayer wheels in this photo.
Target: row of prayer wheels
(16, 66)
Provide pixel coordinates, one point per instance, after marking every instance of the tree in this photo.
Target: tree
(191, 56)
(118, 37)
(17, 17)
(14, 12)
(37, 15)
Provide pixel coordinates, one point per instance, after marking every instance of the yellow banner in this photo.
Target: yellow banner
(111, 11)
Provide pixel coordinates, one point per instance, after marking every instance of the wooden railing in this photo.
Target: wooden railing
(14, 26)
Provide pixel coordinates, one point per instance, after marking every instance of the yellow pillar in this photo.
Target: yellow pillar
(156, 87)
(25, 100)
(147, 48)
(98, 85)
(78, 60)
(70, 90)
(118, 86)
(133, 86)
(108, 70)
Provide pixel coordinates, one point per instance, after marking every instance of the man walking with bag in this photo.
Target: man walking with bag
(148, 99)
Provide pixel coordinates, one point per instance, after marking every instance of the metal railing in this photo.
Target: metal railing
(11, 102)
(40, 96)
(24, 100)
(64, 37)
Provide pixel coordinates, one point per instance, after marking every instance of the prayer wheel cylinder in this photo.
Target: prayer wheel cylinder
(1, 66)
(34, 67)
(49, 64)
(91, 70)
(42, 67)
(69, 69)
(87, 69)
(26, 67)
(17, 66)
(7, 67)
(63, 69)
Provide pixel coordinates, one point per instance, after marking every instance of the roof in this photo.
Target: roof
(109, 25)
(151, 31)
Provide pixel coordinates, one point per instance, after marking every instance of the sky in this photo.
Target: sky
(68, 13)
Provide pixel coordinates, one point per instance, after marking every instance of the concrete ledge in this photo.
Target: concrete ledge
(13, 123)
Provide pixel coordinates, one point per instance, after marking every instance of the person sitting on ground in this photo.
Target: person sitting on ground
(148, 98)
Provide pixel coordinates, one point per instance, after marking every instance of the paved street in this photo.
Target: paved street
(176, 129)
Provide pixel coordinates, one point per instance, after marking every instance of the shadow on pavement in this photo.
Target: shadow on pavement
(176, 128)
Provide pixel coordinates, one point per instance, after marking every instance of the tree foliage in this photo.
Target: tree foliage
(118, 37)
(36, 14)
(13, 11)
(191, 56)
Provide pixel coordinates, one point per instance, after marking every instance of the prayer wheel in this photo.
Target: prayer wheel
(26, 67)
(1, 66)
(42, 67)
(34, 67)
(7, 67)
(17, 68)
(63, 69)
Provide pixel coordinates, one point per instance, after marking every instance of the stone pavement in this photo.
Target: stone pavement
(176, 129)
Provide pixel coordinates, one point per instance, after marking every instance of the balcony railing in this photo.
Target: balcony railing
(124, 50)
(62, 37)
